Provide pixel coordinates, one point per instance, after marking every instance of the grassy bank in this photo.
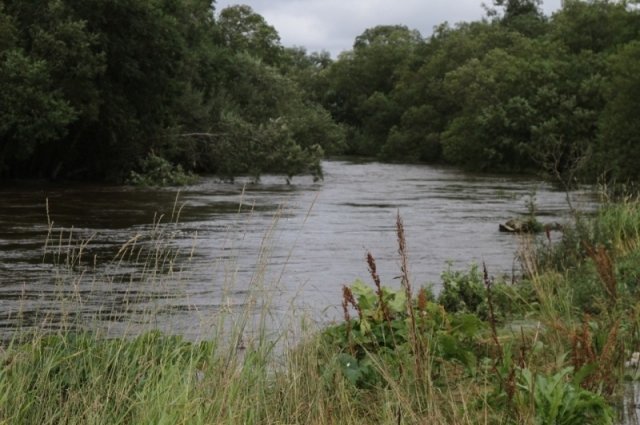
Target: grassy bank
(549, 348)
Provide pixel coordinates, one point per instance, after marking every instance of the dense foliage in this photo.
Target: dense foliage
(516, 91)
(552, 347)
(90, 89)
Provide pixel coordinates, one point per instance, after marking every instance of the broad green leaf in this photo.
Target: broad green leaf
(365, 296)
(398, 304)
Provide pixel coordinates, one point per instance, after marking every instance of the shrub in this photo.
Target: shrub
(467, 292)
(555, 399)
(157, 171)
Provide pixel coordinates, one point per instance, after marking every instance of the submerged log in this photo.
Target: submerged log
(516, 226)
(527, 226)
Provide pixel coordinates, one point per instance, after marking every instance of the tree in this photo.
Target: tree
(361, 81)
(91, 89)
(244, 30)
(50, 76)
(618, 152)
(8, 31)
(265, 124)
(597, 25)
(33, 112)
(307, 70)
(523, 16)
(524, 108)
(516, 8)
(427, 104)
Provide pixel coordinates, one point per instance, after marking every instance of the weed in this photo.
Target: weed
(556, 399)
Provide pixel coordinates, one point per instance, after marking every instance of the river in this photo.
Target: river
(296, 243)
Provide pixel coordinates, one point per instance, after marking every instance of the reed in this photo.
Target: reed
(401, 358)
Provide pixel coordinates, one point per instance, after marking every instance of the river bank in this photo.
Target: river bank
(549, 348)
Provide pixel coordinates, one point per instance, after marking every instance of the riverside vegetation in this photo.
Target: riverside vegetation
(87, 94)
(549, 347)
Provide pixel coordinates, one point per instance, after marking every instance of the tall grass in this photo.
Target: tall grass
(529, 353)
(70, 363)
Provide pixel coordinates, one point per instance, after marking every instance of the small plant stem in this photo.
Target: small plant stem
(492, 316)
(371, 262)
(406, 284)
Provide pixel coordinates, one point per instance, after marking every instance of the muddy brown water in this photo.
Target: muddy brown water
(297, 243)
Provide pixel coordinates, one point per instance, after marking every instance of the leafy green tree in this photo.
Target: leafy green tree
(8, 31)
(93, 89)
(493, 128)
(515, 8)
(362, 80)
(523, 16)
(597, 25)
(264, 124)
(411, 140)
(309, 71)
(530, 107)
(47, 68)
(33, 112)
(380, 113)
(427, 104)
(135, 111)
(312, 126)
(122, 84)
(619, 147)
(569, 105)
(244, 30)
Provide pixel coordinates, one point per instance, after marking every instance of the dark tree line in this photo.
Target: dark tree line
(516, 91)
(89, 89)
(96, 89)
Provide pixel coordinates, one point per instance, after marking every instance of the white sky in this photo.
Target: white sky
(333, 25)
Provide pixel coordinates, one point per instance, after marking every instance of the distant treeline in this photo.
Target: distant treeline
(91, 88)
(516, 91)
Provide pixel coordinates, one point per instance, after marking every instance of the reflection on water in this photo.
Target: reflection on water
(186, 261)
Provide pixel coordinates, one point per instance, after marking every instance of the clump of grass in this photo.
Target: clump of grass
(615, 227)
(78, 377)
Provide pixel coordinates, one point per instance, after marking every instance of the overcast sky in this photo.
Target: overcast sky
(332, 25)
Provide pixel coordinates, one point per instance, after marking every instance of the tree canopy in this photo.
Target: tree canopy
(91, 89)
(516, 91)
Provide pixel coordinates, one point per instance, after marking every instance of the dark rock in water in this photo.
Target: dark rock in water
(506, 228)
(516, 226)
(528, 226)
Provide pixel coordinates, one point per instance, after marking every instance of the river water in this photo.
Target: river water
(115, 253)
